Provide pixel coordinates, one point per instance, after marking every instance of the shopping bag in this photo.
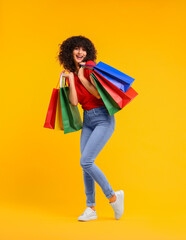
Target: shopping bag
(120, 97)
(51, 113)
(110, 104)
(58, 120)
(116, 83)
(118, 78)
(70, 114)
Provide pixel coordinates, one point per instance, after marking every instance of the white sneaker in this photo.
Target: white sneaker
(118, 205)
(89, 214)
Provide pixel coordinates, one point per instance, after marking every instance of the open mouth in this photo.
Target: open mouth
(79, 57)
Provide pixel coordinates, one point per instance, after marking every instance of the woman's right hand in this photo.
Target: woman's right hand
(70, 75)
(72, 93)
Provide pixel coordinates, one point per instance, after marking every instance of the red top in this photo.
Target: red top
(85, 98)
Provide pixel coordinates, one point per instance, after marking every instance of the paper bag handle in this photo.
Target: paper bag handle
(63, 81)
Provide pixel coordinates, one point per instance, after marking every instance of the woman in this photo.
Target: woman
(98, 125)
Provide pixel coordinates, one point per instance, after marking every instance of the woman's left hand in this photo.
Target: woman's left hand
(81, 70)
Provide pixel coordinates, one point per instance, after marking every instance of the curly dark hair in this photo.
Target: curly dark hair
(65, 56)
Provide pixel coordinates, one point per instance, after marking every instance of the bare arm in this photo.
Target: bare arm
(72, 90)
(72, 93)
(92, 80)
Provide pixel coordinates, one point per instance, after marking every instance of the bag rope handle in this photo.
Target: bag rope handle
(63, 81)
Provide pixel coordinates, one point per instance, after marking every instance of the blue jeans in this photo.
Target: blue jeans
(98, 127)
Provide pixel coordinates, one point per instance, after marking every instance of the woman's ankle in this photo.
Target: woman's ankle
(93, 208)
(113, 198)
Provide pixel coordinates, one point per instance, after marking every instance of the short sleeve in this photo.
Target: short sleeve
(88, 71)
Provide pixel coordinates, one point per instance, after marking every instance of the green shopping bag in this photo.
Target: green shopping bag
(110, 104)
(70, 114)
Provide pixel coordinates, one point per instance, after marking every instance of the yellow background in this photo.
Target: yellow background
(41, 181)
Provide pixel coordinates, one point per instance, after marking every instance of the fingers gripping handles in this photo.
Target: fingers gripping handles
(63, 81)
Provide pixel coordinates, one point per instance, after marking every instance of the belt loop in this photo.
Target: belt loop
(94, 111)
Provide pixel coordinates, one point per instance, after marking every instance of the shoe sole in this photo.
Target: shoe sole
(85, 220)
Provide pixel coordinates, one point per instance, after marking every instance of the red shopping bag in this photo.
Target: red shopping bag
(51, 113)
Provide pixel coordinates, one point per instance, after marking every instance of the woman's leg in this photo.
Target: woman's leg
(97, 140)
(88, 180)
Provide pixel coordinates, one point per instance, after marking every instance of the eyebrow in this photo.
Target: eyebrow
(80, 47)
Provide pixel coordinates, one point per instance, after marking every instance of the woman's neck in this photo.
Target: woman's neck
(77, 68)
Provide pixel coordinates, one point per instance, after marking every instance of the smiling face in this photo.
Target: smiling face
(79, 53)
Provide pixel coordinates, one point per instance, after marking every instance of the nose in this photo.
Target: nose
(80, 50)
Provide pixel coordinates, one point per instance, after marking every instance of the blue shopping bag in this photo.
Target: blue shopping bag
(118, 78)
